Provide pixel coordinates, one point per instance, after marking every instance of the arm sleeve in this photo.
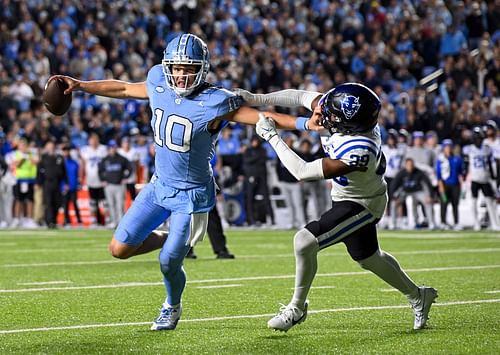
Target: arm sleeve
(300, 169)
(285, 98)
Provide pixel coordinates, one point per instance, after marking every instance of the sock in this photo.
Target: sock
(306, 264)
(385, 266)
(474, 211)
(491, 206)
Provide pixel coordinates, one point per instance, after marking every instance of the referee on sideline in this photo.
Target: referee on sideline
(113, 170)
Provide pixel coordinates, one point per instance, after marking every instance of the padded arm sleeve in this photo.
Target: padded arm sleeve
(300, 169)
(285, 98)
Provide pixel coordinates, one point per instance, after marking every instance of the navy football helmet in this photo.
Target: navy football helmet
(349, 108)
(186, 49)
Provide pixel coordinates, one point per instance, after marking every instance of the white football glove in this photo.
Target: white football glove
(265, 127)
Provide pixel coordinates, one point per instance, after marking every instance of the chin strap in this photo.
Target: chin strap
(300, 169)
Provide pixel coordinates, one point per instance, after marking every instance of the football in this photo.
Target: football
(54, 99)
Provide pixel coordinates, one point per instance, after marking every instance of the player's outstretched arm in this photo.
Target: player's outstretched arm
(109, 88)
(285, 98)
(249, 115)
(323, 168)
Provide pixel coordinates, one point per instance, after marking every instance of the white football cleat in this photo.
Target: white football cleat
(168, 318)
(287, 317)
(422, 306)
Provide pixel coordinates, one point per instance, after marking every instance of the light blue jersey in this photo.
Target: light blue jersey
(184, 145)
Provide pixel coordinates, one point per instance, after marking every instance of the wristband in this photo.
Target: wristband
(301, 123)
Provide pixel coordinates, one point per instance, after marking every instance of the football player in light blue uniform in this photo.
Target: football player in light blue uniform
(188, 114)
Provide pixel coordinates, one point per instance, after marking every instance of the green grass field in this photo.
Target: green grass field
(60, 292)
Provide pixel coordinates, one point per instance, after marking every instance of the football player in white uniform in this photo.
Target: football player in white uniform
(493, 141)
(478, 159)
(394, 154)
(359, 193)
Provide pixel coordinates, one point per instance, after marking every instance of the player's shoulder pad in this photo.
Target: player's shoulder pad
(357, 144)
(156, 75)
(224, 100)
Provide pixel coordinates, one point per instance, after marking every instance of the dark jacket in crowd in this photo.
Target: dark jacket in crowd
(254, 161)
(51, 170)
(410, 182)
(114, 169)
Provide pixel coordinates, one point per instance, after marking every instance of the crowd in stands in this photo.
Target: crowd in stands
(260, 46)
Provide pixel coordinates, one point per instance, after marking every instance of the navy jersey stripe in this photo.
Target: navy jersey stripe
(359, 146)
(365, 140)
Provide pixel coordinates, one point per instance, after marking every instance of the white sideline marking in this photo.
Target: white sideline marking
(221, 286)
(245, 316)
(492, 291)
(45, 283)
(266, 256)
(389, 290)
(233, 279)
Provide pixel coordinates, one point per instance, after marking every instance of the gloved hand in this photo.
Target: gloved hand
(265, 127)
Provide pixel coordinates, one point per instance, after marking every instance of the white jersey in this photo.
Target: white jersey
(494, 146)
(394, 157)
(132, 155)
(92, 159)
(478, 162)
(367, 188)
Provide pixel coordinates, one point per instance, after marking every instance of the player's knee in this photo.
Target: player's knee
(170, 264)
(367, 263)
(305, 242)
(119, 250)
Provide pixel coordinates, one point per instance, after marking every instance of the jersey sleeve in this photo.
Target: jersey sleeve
(226, 102)
(155, 80)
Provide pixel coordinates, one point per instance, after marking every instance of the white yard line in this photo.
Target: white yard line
(261, 256)
(220, 286)
(245, 316)
(492, 291)
(388, 290)
(234, 279)
(45, 283)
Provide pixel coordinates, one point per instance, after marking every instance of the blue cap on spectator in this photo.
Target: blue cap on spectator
(418, 134)
(112, 144)
(447, 142)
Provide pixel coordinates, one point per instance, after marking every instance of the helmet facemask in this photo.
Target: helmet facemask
(200, 75)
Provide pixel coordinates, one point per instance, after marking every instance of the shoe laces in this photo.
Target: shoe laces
(166, 314)
(286, 312)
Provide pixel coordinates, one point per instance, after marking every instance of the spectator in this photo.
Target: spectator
(70, 193)
(449, 171)
(113, 170)
(258, 205)
(413, 182)
(291, 190)
(313, 191)
(51, 174)
(25, 162)
(132, 155)
(92, 154)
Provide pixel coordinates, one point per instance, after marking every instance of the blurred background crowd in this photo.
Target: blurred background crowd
(435, 64)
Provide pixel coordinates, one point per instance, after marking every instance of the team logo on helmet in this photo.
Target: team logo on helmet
(350, 106)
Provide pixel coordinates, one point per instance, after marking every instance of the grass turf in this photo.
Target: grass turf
(51, 279)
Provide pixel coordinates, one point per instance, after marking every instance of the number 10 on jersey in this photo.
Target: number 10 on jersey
(177, 133)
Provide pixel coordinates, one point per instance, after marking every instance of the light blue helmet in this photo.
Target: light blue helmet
(186, 49)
